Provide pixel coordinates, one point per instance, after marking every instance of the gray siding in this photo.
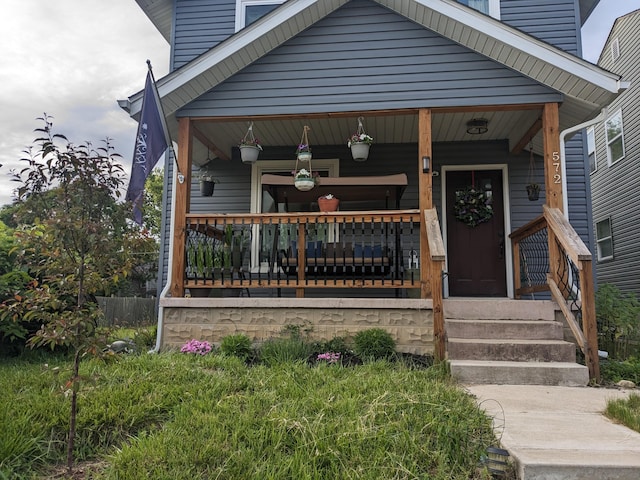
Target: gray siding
(402, 65)
(554, 21)
(199, 26)
(615, 188)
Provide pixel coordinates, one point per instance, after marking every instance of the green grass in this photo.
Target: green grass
(625, 411)
(176, 416)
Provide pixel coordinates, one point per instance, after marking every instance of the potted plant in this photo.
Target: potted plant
(249, 146)
(304, 180)
(207, 181)
(304, 152)
(533, 191)
(328, 203)
(359, 143)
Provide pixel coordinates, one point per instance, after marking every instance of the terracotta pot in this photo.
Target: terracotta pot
(328, 204)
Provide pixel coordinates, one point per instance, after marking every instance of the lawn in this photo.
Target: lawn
(182, 416)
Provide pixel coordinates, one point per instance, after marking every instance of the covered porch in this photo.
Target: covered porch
(379, 249)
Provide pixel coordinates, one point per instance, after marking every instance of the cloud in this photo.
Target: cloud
(72, 59)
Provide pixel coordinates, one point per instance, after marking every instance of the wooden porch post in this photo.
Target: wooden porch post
(552, 177)
(425, 202)
(185, 147)
(552, 160)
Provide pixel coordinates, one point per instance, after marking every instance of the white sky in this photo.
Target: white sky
(73, 59)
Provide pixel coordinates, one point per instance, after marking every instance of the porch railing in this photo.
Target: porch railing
(549, 255)
(303, 250)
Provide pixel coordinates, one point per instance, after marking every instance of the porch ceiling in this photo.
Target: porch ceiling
(384, 127)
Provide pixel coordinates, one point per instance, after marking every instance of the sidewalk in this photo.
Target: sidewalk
(560, 433)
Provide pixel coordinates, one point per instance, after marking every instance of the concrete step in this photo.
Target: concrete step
(478, 372)
(504, 329)
(498, 309)
(511, 350)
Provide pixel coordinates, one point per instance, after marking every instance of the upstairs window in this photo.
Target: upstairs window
(489, 7)
(604, 239)
(615, 137)
(248, 11)
(591, 149)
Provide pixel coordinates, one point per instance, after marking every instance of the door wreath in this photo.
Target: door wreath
(472, 207)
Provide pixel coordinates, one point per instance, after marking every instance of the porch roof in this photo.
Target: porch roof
(586, 87)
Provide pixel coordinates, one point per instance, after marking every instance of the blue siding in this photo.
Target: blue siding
(401, 64)
(555, 21)
(199, 26)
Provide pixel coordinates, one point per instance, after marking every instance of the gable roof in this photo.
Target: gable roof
(586, 87)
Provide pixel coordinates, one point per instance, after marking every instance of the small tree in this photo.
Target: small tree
(76, 247)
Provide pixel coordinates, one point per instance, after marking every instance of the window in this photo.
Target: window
(248, 11)
(591, 149)
(615, 138)
(489, 7)
(604, 239)
(615, 50)
(263, 202)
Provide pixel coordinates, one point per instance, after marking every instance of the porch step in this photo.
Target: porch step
(506, 329)
(566, 374)
(511, 350)
(506, 341)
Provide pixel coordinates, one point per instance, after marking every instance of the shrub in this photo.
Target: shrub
(283, 350)
(196, 347)
(618, 316)
(615, 371)
(238, 345)
(374, 344)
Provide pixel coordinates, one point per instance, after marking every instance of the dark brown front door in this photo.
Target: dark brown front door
(476, 254)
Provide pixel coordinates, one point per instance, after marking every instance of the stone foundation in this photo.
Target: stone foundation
(409, 321)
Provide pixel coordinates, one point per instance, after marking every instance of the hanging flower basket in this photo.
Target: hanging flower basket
(472, 207)
(360, 143)
(304, 156)
(207, 187)
(533, 191)
(249, 153)
(249, 146)
(328, 203)
(304, 180)
(304, 184)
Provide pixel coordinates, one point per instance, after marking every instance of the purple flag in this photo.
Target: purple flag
(151, 143)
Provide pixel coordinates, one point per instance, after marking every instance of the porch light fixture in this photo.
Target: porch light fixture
(477, 126)
(425, 164)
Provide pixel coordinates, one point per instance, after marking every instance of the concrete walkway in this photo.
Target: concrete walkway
(560, 433)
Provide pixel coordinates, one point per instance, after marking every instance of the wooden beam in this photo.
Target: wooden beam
(425, 195)
(527, 137)
(552, 162)
(182, 193)
(202, 138)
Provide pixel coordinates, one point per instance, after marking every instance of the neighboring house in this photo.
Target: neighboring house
(458, 96)
(614, 155)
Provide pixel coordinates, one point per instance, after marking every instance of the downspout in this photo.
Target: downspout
(563, 135)
(167, 286)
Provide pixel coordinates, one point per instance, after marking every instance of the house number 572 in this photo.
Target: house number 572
(557, 177)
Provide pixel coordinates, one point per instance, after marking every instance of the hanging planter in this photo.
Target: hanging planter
(328, 203)
(472, 206)
(533, 189)
(303, 151)
(304, 180)
(360, 143)
(206, 179)
(249, 146)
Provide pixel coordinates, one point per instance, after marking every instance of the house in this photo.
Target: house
(614, 154)
(467, 103)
